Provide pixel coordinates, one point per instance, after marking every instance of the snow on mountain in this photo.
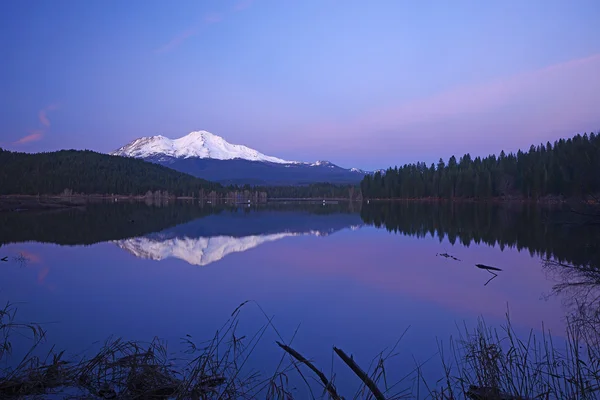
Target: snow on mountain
(195, 251)
(320, 163)
(201, 144)
(202, 154)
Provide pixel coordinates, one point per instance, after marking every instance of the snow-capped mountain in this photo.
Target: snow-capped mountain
(208, 156)
(200, 144)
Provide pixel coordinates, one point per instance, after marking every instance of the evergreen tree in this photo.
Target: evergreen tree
(87, 172)
(568, 168)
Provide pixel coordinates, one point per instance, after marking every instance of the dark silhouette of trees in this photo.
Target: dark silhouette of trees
(87, 172)
(569, 168)
(536, 229)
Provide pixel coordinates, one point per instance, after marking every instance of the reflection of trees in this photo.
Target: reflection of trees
(100, 222)
(524, 227)
(95, 223)
(564, 238)
(579, 288)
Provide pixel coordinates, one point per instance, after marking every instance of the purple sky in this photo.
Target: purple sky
(362, 84)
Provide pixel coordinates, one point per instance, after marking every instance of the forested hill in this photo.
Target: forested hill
(89, 172)
(569, 168)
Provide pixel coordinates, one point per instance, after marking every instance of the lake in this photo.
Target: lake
(358, 277)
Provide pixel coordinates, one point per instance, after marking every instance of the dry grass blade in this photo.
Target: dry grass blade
(360, 373)
(328, 385)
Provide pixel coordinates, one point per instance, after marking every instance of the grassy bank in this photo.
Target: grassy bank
(482, 363)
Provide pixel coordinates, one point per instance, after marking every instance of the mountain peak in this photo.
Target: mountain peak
(200, 144)
(322, 163)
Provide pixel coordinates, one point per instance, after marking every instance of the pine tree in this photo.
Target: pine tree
(566, 168)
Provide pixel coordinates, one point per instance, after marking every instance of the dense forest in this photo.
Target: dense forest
(569, 168)
(88, 172)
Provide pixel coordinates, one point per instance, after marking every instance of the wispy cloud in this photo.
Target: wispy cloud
(33, 136)
(207, 19)
(529, 87)
(514, 111)
(31, 257)
(43, 114)
(177, 41)
(212, 18)
(37, 134)
(242, 5)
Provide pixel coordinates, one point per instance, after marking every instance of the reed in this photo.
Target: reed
(480, 363)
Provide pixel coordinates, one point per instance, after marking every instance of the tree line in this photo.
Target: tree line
(569, 168)
(72, 172)
(314, 190)
(88, 172)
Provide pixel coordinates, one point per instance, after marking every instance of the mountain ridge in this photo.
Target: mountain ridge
(209, 156)
(200, 144)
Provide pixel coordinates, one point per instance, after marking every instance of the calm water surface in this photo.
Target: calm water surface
(346, 275)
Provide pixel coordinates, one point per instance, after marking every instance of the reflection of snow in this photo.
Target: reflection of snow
(196, 251)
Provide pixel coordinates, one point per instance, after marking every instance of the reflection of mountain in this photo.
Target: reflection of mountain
(102, 222)
(241, 223)
(207, 240)
(199, 251)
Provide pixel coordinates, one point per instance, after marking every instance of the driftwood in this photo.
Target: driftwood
(490, 270)
(446, 255)
(360, 373)
(487, 267)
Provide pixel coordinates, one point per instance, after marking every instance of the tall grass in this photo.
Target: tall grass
(482, 363)
(137, 370)
(479, 363)
(488, 363)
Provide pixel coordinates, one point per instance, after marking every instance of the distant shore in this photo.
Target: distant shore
(498, 200)
(15, 203)
(23, 203)
(28, 203)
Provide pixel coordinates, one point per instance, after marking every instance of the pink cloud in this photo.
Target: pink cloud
(42, 275)
(31, 257)
(560, 79)
(38, 134)
(518, 110)
(32, 137)
(177, 41)
(43, 114)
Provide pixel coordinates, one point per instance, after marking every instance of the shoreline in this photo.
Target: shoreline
(494, 200)
(24, 203)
